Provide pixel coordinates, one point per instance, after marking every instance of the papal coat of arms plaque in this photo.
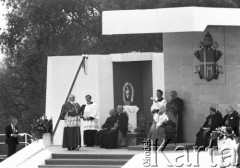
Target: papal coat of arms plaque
(208, 56)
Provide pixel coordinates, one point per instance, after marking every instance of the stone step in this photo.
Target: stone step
(169, 147)
(86, 161)
(2, 157)
(90, 156)
(79, 166)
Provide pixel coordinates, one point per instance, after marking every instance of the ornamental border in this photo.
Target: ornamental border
(131, 86)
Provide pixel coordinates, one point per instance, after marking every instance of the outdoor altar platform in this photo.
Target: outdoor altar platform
(134, 156)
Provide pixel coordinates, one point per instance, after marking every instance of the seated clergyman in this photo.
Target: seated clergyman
(213, 121)
(231, 119)
(107, 137)
(165, 121)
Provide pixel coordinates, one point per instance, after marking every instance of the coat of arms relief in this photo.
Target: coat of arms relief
(208, 55)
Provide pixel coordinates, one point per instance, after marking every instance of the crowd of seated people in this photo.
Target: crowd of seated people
(114, 130)
(213, 121)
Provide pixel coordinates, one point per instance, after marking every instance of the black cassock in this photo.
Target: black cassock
(178, 110)
(232, 120)
(107, 138)
(212, 121)
(71, 132)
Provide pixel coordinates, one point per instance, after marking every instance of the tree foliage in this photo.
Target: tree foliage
(40, 28)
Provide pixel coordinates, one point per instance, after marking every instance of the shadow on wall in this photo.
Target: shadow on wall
(192, 118)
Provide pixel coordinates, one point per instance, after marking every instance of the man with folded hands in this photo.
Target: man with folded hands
(71, 113)
(212, 122)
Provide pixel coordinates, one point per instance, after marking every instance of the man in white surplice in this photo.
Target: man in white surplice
(155, 109)
(91, 121)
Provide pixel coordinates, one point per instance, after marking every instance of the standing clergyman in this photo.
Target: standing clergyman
(91, 121)
(70, 113)
(177, 107)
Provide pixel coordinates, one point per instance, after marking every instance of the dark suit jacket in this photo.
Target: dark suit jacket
(216, 120)
(232, 120)
(9, 138)
(123, 123)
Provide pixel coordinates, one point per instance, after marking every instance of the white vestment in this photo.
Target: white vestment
(156, 106)
(91, 110)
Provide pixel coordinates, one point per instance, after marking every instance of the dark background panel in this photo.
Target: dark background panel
(139, 74)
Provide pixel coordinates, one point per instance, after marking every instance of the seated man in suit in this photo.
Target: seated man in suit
(12, 137)
(213, 121)
(122, 126)
(231, 119)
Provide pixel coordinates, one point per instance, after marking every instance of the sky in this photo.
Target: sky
(2, 23)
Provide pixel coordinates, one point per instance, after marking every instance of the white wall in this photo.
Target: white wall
(98, 82)
(179, 67)
(158, 72)
(60, 74)
(105, 86)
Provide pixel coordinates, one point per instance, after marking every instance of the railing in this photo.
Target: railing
(26, 135)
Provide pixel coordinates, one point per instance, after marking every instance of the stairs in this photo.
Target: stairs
(2, 157)
(169, 147)
(86, 160)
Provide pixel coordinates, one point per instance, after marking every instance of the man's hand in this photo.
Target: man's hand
(205, 128)
(87, 118)
(165, 121)
(155, 111)
(115, 125)
(15, 135)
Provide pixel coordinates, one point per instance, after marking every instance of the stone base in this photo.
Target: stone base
(135, 138)
(47, 139)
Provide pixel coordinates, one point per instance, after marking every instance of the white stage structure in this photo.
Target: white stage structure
(98, 82)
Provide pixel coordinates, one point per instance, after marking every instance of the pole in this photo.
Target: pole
(69, 92)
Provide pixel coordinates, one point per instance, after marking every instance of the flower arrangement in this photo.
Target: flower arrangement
(41, 125)
(220, 132)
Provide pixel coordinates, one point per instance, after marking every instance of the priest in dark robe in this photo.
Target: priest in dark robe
(122, 126)
(70, 113)
(231, 119)
(176, 104)
(212, 122)
(104, 138)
